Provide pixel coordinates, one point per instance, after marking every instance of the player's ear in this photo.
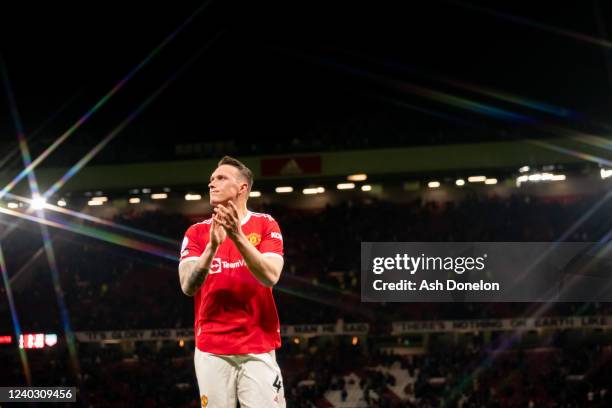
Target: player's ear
(244, 188)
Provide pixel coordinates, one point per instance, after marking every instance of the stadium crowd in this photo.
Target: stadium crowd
(111, 287)
(322, 259)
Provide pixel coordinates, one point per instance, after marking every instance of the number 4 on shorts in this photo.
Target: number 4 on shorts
(277, 383)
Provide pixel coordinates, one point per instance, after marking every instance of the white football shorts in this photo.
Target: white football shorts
(253, 379)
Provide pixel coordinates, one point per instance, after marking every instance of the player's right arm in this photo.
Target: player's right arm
(193, 270)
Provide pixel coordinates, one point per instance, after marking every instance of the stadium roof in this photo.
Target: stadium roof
(442, 70)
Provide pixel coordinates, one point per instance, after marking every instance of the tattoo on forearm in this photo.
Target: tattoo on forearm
(195, 278)
(192, 277)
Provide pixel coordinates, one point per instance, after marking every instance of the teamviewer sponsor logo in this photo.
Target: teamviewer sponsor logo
(232, 265)
(215, 266)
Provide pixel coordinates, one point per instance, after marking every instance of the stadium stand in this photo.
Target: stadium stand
(378, 368)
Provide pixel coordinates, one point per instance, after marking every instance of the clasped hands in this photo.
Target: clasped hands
(225, 222)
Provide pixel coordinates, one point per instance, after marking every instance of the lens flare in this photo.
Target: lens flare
(14, 317)
(31, 166)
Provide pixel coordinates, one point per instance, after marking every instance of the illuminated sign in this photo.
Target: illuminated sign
(37, 340)
(50, 340)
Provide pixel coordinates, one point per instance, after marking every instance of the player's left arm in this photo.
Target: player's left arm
(266, 269)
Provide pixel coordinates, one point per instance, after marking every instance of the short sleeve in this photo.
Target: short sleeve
(272, 241)
(193, 244)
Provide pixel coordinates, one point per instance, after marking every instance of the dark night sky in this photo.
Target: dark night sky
(279, 71)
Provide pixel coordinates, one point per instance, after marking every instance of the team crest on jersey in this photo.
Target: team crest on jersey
(254, 238)
(204, 401)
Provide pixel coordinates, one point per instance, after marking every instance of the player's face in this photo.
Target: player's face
(225, 184)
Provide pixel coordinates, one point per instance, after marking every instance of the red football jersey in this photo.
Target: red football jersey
(234, 312)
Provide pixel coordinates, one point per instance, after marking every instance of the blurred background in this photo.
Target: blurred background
(438, 121)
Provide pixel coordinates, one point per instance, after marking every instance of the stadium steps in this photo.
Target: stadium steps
(354, 397)
(402, 380)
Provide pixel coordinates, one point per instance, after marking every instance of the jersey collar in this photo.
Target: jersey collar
(246, 218)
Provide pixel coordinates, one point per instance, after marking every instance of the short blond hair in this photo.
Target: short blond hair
(244, 170)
